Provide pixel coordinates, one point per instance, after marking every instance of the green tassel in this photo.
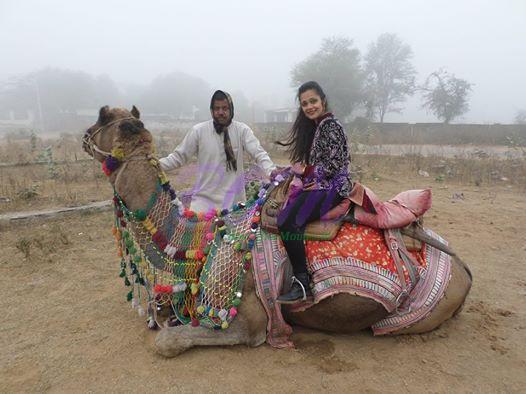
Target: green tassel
(140, 214)
(137, 259)
(123, 273)
(127, 282)
(132, 250)
(129, 296)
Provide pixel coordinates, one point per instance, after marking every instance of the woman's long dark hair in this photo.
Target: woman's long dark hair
(301, 135)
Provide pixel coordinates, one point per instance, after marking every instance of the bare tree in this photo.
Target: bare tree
(336, 67)
(390, 76)
(52, 92)
(445, 95)
(520, 117)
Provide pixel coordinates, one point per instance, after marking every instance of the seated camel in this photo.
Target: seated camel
(185, 260)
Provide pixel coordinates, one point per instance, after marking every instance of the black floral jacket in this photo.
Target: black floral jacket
(329, 158)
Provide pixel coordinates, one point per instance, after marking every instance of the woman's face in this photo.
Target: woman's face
(312, 105)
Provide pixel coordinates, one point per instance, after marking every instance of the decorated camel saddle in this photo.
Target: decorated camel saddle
(365, 208)
(212, 278)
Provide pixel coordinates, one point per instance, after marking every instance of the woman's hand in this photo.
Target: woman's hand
(295, 187)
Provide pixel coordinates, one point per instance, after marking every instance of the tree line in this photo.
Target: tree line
(382, 82)
(371, 86)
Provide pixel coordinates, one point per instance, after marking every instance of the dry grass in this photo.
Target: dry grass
(67, 326)
(65, 176)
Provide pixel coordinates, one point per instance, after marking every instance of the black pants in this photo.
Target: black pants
(307, 207)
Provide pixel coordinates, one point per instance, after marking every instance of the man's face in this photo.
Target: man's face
(221, 111)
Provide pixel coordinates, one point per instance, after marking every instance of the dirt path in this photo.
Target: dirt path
(67, 327)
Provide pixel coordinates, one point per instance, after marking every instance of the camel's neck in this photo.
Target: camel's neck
(135, 181)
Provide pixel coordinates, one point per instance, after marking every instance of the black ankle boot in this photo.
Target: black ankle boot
(299, 291)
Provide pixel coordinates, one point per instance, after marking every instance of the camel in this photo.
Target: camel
(135, 180)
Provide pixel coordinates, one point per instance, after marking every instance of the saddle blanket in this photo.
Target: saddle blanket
(357, 262)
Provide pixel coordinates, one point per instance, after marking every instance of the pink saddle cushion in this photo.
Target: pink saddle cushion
(401, 210)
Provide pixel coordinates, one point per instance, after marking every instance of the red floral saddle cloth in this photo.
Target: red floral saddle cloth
(357, 261)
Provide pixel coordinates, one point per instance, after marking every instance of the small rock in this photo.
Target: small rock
(423, 173)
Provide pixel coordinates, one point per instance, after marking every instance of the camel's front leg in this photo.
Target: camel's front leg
(248, 328)
(172, 341)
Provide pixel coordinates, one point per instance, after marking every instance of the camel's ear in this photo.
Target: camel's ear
(104, 114)
(135, 112)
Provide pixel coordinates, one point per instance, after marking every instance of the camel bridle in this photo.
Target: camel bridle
(88, 142)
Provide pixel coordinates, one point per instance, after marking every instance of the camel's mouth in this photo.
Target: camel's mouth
(87, 142)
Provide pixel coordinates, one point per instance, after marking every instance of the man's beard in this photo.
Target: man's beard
(223, 121)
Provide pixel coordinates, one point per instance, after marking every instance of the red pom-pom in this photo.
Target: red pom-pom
(195, 322)
(157, 289)
(199, 255)
(105, 169)
(160, 240)
(188, 213)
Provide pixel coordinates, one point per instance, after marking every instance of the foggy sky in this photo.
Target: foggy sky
(252, 45)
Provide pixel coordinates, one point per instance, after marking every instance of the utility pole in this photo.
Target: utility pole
(39, 104)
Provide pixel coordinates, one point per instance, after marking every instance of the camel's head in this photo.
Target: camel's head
(117, 128)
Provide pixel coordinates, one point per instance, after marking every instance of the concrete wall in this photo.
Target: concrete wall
(421, 133)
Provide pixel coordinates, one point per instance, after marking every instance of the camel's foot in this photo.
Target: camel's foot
(172, 341)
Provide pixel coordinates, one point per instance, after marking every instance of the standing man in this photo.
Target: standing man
(219, 145)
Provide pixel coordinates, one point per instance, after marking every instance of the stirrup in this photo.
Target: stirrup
(294, 279)
(294, 295)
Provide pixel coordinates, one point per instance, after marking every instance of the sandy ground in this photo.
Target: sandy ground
(67, 327)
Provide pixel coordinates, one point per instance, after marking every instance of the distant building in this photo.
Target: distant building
(282, 115)
(11, 120)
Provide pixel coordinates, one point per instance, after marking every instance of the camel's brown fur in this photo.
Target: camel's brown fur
(136, 180)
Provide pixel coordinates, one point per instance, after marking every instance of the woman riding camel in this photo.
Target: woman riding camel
(317, 145)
